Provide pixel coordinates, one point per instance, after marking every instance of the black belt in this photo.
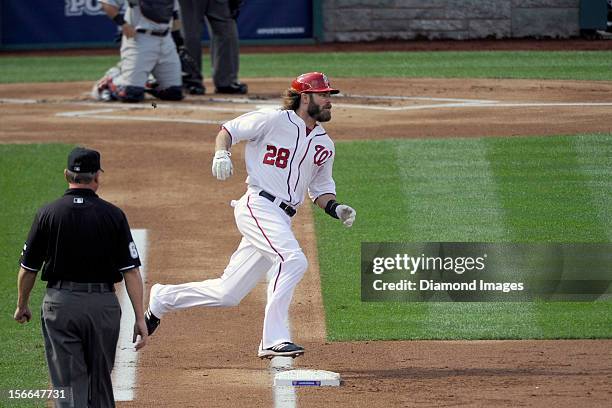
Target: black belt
(82, 286)
(153, 32)
(289, 210)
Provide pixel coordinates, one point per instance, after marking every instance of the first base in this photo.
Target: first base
(316, 378)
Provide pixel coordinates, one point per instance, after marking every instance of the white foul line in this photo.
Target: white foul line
(284, 396)
(416, 98)
(15, 101)
(104, 113)
(93, 115)
(126, 358)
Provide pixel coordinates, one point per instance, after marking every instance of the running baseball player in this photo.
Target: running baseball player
(146, 48)
(287, 154)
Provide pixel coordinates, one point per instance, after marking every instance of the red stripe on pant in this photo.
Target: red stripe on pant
(269, 242)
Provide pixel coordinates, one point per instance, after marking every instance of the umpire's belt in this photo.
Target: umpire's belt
(82, 287)
(153, 32)
(289, 210)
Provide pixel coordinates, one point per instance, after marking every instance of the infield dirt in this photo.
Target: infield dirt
(159, 173)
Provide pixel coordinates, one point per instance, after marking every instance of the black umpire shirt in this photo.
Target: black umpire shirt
(80, 238)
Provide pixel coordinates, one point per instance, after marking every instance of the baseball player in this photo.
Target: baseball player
(287, 154)
(146, 48)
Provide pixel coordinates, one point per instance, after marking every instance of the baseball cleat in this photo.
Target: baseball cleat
(152, 321)
(286, 349)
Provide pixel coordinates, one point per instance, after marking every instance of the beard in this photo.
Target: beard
(317, 113)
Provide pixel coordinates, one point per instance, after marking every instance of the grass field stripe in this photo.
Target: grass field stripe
(450, 191)
(452, 196)
(30, 176)
(126, 358)
(537, 65)
(545, 171)
(560, 209)
(593, 156)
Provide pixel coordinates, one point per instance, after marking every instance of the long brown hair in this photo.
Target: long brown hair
(291, 99)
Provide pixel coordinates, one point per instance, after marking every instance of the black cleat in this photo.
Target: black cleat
(235, 88)
(152, 321)
(286, 349)
(196, 90)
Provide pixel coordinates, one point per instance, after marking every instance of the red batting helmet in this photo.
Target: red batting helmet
(312, 82)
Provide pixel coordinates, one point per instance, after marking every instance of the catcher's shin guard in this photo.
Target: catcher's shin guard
(130, 93)
(172, 93)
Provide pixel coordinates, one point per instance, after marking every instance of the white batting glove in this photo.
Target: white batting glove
(222, 167)
(346, 214)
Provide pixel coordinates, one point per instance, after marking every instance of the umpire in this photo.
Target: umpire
(84, 246)
(220, 18)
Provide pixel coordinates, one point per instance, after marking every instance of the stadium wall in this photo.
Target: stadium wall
(368, 20)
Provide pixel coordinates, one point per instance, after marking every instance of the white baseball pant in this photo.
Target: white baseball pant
(267, 242)
(144, 54)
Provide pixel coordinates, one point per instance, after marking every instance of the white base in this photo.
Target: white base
(316, 378)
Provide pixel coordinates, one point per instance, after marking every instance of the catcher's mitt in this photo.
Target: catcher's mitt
(189, 67)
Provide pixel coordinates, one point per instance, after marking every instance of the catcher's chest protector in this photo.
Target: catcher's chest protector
(159, 11)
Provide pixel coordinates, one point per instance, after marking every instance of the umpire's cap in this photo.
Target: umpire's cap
(313, 82)
(83, 160)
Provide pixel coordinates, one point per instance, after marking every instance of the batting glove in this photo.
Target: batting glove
(346, 214)
(222, 167)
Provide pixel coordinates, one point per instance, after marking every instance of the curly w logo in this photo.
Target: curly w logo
(321, 155)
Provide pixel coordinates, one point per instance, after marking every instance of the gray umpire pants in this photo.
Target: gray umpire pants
(224, 48)
(81, 331)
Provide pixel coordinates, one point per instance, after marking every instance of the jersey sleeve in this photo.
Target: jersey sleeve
(323, 182)
(127, 253)
(35, 248)
(250, 126)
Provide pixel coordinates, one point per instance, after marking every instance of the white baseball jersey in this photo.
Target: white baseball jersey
(285, 161)
(281, 158)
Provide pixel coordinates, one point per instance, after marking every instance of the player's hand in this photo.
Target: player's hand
(128, 30)
(222, 167)
(346, 214)
(22, 314)
(140, 330)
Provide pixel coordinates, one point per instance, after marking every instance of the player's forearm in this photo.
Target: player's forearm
(223, 141)
(25, 283)
(322, 200)
(133, 285)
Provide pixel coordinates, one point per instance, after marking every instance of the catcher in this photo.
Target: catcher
(150, 44)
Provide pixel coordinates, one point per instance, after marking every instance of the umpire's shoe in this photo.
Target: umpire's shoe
(286, 349)
(235, 88)
(195, 89)
(152, 321)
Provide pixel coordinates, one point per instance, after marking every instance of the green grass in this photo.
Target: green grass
(538, 189)
(577, 65)
(30, 175)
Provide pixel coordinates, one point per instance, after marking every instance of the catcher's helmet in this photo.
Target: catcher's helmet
(312, 82)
